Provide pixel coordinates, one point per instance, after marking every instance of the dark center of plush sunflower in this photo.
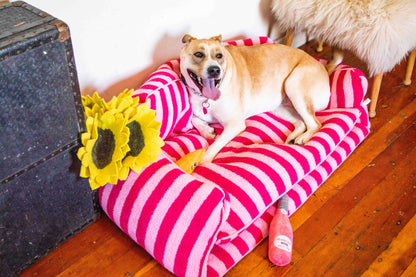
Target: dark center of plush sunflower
(103, 149)
(136, 140)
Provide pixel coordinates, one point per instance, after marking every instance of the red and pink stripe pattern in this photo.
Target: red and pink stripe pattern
(202, 224)
(167, 94)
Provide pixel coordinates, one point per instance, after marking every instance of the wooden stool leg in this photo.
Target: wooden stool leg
(375, 89)
(272, 22)
(289, 37)
(320, 46)
(410, 64)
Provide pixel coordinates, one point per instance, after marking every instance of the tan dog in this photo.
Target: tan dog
(231, 83)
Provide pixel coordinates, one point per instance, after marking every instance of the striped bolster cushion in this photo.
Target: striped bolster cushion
(204, 223)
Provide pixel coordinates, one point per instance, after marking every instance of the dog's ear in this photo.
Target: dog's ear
(218, 38)
(187, 39)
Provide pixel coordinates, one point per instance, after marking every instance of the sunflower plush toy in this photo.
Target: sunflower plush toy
(122, 135)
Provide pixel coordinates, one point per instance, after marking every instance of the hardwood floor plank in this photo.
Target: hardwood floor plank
(102, 256)
(145, 269)
(313, 204)
(129, 263)
(393, 96)
(385, 225)
(397, 257)
(258, 264)
(377, 142)
(154, 269)
(340, 239)
(73, 250)
(410, 270)
(345, 198)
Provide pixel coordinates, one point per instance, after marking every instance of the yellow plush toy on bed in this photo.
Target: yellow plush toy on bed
(191, 160)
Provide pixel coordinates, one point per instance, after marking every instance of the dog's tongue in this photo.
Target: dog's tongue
(210, 90)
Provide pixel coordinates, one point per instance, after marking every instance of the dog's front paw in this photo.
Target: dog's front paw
(206, 159)
(203, 128)
(209, 155)
(208, 132)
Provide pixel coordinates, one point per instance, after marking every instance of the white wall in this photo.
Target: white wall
(117, 44)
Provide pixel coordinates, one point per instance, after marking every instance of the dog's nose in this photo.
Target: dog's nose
(214, 71)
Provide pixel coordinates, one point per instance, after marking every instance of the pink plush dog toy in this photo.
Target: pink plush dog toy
(281, 234)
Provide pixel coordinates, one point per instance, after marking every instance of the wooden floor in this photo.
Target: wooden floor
(361, 222)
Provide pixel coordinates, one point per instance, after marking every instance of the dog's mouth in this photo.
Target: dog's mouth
(208, 87)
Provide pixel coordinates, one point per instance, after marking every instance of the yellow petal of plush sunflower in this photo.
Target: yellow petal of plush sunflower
(124, 103)
(94, 105)
(144, 141)
(104, 146)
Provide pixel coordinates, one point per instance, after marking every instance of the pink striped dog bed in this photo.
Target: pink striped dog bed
(203, 224)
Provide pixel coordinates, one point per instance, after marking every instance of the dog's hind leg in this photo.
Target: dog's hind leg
(300, 90)
(312, 126)
(288, 113)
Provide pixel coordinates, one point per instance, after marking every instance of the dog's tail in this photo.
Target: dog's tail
(337, 57)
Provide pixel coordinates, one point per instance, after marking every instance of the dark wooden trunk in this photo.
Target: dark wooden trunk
(43, 201)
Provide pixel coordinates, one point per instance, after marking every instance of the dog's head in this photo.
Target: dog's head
(202, 65)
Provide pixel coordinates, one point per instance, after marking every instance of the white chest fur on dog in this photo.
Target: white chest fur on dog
(228, 84)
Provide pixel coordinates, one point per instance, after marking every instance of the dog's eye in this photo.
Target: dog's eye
(219, 56)
(198, 54)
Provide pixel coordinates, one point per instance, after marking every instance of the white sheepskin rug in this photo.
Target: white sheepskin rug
(379, 32)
